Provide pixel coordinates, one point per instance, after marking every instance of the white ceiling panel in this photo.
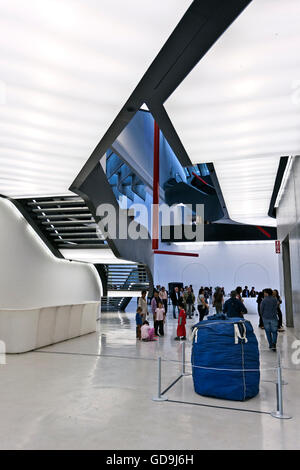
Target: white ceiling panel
(93, 255)
(240, 106)
(66, 69)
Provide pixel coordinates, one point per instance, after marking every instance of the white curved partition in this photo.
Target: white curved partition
(28, 329)
(43, 299)
(31, 276)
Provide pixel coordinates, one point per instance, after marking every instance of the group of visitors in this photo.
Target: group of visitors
(159, 306)
(239, 293)
(187, 297)
(259, 300)
(183, 301)
(269, 310)
(159, 303)
(249, 293)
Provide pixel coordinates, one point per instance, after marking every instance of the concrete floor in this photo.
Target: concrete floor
(95, 392)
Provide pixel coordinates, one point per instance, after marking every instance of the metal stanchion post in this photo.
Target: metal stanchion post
(275, 381)
(279, 395)
(159, 397)
(183, 360)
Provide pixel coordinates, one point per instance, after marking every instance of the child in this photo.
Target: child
(181, 334)
(159, 319)
(147, 332)
(139, 322)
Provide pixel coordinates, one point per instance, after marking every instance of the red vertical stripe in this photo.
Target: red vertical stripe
(155, 213)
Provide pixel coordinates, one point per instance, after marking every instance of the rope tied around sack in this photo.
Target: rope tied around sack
(233, 370)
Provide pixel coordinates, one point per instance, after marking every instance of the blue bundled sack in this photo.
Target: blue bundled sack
(225, 359)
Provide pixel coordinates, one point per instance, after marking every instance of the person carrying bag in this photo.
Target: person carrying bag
(189, 299)
(203, 307)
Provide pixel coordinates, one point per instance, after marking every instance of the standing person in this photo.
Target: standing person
(175, 298)
(239, 292)
(202, 304)
(142, 302)
(218, 300)
(268, 310)
(259, 300)
(154, 304)
(279, 312)
(189, 300)
(233, 307)
(245, 292)
(159, 319)
(163, 295)
(206, 294)
(139, 322)
(181, 333)
(252, 292)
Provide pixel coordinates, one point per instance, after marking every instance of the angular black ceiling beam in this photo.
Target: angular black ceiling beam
(225, 232)
(200, 27)
(280, 172)
(215, 181)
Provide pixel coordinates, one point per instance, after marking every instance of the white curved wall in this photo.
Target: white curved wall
(31, 276)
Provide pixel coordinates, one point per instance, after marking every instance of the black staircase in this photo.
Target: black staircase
(123, 278)
(65, 221)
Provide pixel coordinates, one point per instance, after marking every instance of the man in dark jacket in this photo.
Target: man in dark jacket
(252, 292)
(233, 307)
(268, 311)
(245, 292)
(175, 298)
(259, 300)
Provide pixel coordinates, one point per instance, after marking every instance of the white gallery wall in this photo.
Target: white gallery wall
(31, 276)
(288, 220)
(227, 264)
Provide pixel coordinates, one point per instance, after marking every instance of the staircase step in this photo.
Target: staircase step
(61, 209)
(56, 201)
(64, 216)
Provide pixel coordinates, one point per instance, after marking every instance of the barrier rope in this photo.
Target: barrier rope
(187, 363)
(279, 383)
(261, 369)
(233, 370)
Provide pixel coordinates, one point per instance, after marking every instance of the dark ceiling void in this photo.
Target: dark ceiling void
(183, 193)
(280, 172)
(201, 184)
(200, 27)
(226, 232)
